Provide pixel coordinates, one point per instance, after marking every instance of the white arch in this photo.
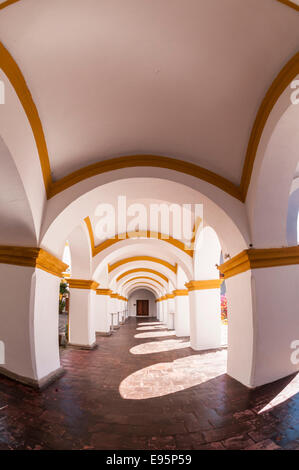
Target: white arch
(23, 152)
(157, 288)
(274, 169)
(223, 212)
(122, 284)
(80, 252)
(139, 265)
(142, 286)
(207, 254)
(17, 224)
(141, 247)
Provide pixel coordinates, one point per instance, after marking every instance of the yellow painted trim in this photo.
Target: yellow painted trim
(91, 236)
(129, 235)
(260, 258)
(32, 257)
(285, 2)
(170, 296)
(180, 292)
(281, 82)
(14, 75)
(114, 295)
(202, 285)
(147, 234)
(143, 277)
(289, 4)
(143, 284)
(151, 259)
(103, 291)
(8, 3)
(83, 284)
(138, 270)
(155, 161)
(163, 298)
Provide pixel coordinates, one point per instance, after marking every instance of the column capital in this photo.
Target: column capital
(82, 284)
(202, 285)
(103, 291)
(114, 295)
(255, 258)
(32, 257)
(180, 292)
(170, 296)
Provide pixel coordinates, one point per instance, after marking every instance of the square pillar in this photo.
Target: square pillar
(170, 311)
(102, 314)
(114, 308)
(182, 313)
(29, 292)
(263, 320)
(205, 314)
(82, 313)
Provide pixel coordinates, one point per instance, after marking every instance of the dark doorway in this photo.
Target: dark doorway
(142, 307)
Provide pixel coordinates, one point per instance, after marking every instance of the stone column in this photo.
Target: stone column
(182, 312)
(114, 308)
(263, 315)
(102, 314)
(205, 314)
(164, 309)
(29, 293)
(158, 308)
(82, 313)
(170, 311)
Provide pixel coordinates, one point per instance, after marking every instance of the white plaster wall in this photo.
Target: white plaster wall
(142, 294)
(182, 315)
(101, 314)
(81, 317)
(45, 306)
(29, 321)
(16, 320)
(170, 314)
(276, 322)
(205, 319)
(240, 328)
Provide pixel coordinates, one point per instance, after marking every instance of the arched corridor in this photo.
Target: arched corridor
(186, 402)
(149, 201)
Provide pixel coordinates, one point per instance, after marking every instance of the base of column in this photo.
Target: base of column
(104, 333)
(33, 383)
(88, 347)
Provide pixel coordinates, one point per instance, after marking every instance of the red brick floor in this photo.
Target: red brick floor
(148, 393)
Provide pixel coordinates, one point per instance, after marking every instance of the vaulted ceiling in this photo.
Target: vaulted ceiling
(114, 78)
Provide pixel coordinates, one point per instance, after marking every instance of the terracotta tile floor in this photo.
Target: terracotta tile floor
(148, 393)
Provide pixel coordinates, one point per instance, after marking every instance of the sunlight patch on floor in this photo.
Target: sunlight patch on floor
(150, 323)
(171, 377)
(155, 334)
(288, 392)
(160, 346)
(154, 327)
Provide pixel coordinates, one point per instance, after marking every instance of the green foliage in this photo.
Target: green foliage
(63, 288)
